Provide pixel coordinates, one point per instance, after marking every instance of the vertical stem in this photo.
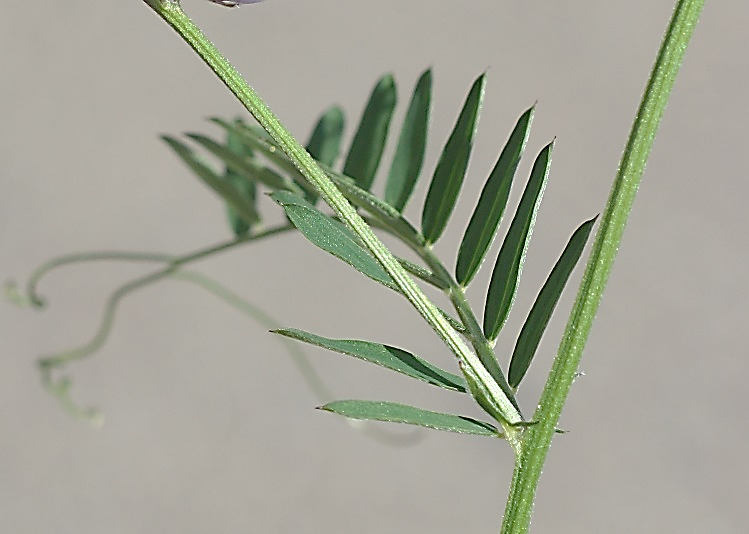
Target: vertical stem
(537, 439)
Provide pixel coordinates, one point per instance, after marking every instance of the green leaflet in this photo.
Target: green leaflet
(409, 154)
(402, 413)
(509, 265)
(247, 187)
(325, 142)
(369, 141)
(451, 167)
(331, 236)
(231, 195)
(546, 301)
(491, 205)
(387, 356)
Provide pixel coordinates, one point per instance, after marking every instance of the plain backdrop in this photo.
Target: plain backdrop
(210, 427)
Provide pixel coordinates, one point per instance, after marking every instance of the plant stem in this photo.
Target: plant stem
(537, 439)
(60, 387)
(486, 388)
(172, 265)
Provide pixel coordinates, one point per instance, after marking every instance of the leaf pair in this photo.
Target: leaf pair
(405, 363)
(371, 136)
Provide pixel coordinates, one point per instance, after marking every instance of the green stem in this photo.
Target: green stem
(486, 388)
(537, 439)
(114, 255)
(60, 387)
(110, 308)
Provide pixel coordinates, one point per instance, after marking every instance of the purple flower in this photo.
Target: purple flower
(234, 3)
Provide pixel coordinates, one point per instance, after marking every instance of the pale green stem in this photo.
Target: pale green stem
(497, 400)
(536, 441)
(175, 263)
(60, 387)
(309, 373)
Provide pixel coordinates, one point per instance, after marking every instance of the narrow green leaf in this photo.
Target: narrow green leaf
(244, 166)
(409, 154)
(451, 167)
(546, 301)
(231, 195)
(509, 266)
(369, 141)
(402, 413)
(325, 142)
(390, 357)
(331, 236)
(486, 217)
(246, 186)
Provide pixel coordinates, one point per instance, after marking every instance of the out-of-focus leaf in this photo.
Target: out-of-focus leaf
(245, 167)
(325, 142)
(359, 197)
(409, 154)
(390, 357)
(369, 141)
(231, 195)
(331, 236)
(451, 167)
(258, 140)
(402, 413)
(546, 301)
(508, 268)
(247, 187)
(491, 205)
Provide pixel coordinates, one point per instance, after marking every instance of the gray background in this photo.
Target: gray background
(210, 427)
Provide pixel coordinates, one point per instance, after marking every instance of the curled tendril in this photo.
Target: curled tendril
(60, 386)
